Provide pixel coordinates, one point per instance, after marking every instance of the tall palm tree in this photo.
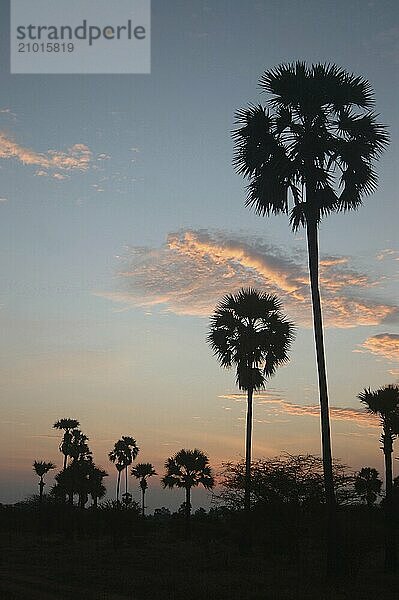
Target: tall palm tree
(249, 331)
(124, 452)
(188, 469)
(143, 471)
(41, 468)
(308, 152)
(384, 402)
(67, 425)
(368, 485)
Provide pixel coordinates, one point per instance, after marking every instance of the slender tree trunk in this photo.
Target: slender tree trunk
(118, 487)
(188, 502)
(126, 482)
(142, 501)
(41, 486)
(313, 256)
(313, 250)
(65, 461)
(248, 447)
(390, 540)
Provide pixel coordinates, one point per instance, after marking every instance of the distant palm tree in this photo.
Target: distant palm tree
(41, 467)
(78, 447)
(384, 402)
(143, 471)
(248, 330)
(67, 425)
(97, 489)
(188, 469)
(124, 452)
(368, 485)
(307, 153)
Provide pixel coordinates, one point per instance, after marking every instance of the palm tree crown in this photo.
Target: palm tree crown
(313, 143)
(41, 467)
(142, 471)
(383, 402)
(188, 469)
(249, 331)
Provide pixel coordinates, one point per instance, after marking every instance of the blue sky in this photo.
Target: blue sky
(103, 174)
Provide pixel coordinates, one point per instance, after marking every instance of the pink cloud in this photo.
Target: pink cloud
(193, 269)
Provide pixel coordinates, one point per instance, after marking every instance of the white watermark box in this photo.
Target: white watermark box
(80, 36)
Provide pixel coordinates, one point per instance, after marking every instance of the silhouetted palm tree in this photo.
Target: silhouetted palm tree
(41, 467)
(143, 471)
(384, 402)
(368, 485)
(249, 331)
(188, 469)
(78, 447)
(307, 153)
(124, 452)
(97, 489)
(67, 425)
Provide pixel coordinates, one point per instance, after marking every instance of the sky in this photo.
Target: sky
(122, 223)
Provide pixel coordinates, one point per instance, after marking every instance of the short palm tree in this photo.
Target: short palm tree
(124, 452)
(368, 485)
(308, 152)
(67, 425)
(384, 402)
(143, 471)
(96, 488)
(249, 331)
(188, 469)
(41, 468)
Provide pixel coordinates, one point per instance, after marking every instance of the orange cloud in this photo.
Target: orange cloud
(77, 158)
(190, 273)
(277, 406)
(383, 344)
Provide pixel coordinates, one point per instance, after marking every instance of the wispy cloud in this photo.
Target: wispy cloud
(8, 113)
(78, 158)
(193, 269)
(388, 253)
(277, 406)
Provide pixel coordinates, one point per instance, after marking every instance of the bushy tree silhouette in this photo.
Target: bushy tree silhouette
(368, 485)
